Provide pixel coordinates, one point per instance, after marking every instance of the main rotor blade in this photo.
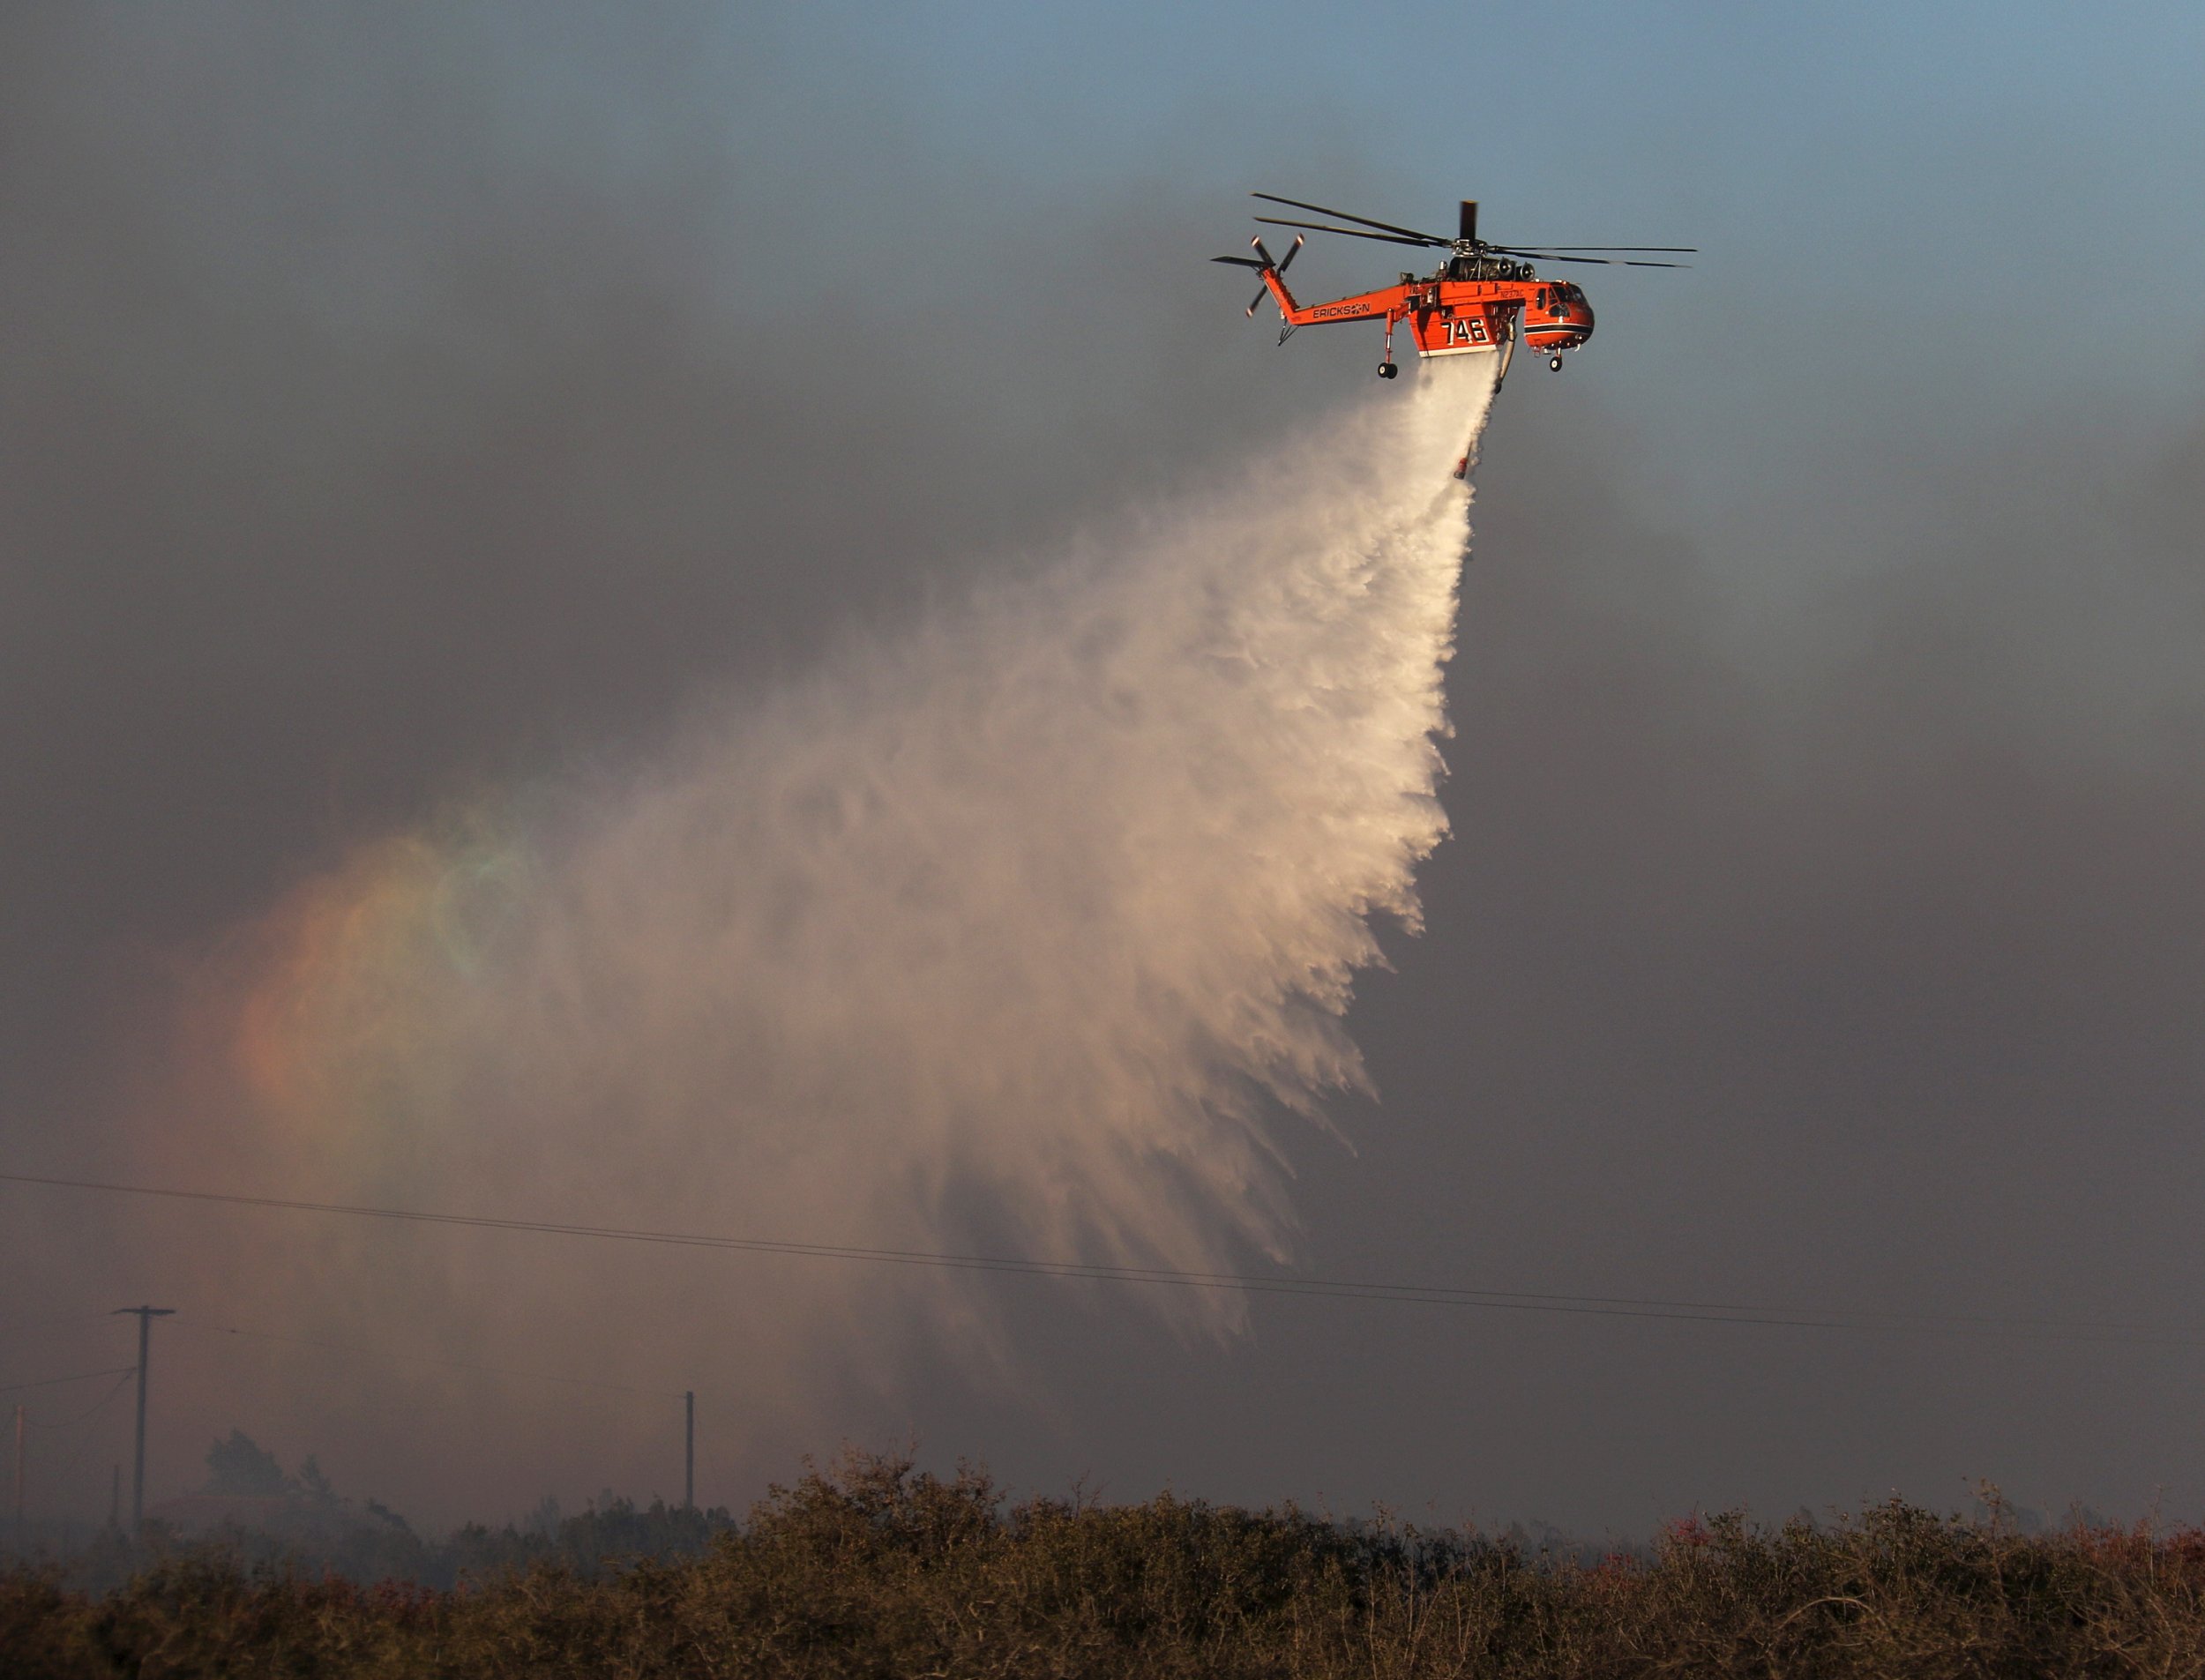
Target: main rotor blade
(1682, 250)
(1238, 262)
(1430, 239)
(1605, 262)
(1353, 233)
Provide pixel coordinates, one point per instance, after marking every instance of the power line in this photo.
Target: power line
(382, 1356)
(84, 1444)
(55, 1382)
(1404, 1294)
(121, 1381)
(23, 1327)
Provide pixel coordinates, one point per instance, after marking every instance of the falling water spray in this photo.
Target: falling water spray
(1032, 927)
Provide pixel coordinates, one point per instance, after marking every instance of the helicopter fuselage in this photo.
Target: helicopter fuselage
(1449, 316)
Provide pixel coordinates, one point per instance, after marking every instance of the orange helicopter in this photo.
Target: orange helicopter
(1482, 299)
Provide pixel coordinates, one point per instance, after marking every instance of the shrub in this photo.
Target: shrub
(871, 1567)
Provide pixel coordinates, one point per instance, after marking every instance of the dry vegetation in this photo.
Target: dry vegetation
(873, 1569)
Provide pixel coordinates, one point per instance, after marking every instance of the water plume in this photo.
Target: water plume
(1025, 929)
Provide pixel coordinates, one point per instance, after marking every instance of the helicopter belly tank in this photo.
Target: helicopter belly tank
(1460, 329)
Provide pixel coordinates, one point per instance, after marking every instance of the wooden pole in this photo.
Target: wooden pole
(146, 1316)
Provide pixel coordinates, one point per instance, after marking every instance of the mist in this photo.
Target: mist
(1017, 934)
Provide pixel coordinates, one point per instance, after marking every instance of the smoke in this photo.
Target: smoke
(1024, 928)
(395, 399)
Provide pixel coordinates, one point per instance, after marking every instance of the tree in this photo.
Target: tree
(241, 1465)
(311, 1482)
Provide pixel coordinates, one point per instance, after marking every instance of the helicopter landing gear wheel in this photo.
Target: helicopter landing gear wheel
(1556, 364)
(1387, 370)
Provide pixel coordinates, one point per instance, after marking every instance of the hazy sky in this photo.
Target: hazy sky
(400, 405)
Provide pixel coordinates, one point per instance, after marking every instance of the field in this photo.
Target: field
(872, 1568)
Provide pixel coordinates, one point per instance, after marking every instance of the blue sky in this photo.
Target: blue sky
(1944, 203)
(1952, 209)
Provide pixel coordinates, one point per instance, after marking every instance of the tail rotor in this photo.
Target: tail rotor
(1261, 261)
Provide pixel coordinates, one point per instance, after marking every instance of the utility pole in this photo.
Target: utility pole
(18, 1475)
(146, 1316)
(689, 1444)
